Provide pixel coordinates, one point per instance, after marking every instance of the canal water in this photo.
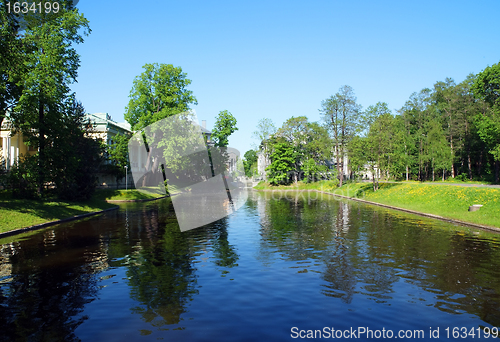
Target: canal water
(284, 267)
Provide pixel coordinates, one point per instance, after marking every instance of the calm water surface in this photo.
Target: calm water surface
(281, 261)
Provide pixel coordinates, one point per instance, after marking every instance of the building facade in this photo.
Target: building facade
(12, 146)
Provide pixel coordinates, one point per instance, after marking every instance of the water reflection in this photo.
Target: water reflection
(37, 303)
(368, 252)
(48, 278)
(291, 259)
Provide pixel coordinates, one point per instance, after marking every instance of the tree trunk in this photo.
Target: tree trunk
(469, 165)
(433, 169)
(479, 164)
(341, 170)
(443, 174)
(452, 166)
(373, 179)
(497, 167)
(41, 147)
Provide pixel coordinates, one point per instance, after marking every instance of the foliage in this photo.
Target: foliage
(368, 117)
(118, 158)
(437, 148)
(22, 177)
(11, 67)
(49, 66)
(283, 158)
(341, 113)
(486, 86)
(314, 171)
(75, 175)
(158, 92)
(449, 130)
(265, 129)
(357, 154)
(309, 140)
(225, 125)
(249, 161)
(71, 165)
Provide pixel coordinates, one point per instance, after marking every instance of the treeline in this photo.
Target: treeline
(449, 130)
(299, 150)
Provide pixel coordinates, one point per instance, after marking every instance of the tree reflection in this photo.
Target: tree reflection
(161, 273)
(224, 253)
(366, 250)
(38, 303)
(340, 272)
(162, 278)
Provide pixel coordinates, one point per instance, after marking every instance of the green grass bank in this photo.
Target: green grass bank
(438, 199)
(21, 213)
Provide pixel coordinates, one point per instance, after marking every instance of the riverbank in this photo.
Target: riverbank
(451, 202)
(21, 213)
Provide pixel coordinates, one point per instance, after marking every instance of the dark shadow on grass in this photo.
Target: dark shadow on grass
(368, 188)
(108, 194)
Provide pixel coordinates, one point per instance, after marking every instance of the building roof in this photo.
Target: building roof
(104, 122)
(205, 131)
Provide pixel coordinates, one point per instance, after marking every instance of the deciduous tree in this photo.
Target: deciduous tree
(49, 66)
(159, 92)
(225, 125)
(341, 113)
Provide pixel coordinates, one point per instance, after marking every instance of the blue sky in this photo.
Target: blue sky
(281, 59)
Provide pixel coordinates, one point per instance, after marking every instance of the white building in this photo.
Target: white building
(263, 162)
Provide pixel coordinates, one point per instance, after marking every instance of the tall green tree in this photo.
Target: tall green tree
(487, 85)
(438, 151)
(341, 113)
(117, 153)
(487, 88)
(357, 153)
(75, 175)
(159, 92)
(416, 114)
(368, 116)
(380, 147)
(75, 159)
(225, 125)
(265, 129)
(283, 158)
(249, 161)
(48, 70)
(310, 141)
(11, 58)
(447, 102)
(295, 131)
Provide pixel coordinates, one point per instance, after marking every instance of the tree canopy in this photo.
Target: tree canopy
(225, 125)
(35, 83)
(158, 92)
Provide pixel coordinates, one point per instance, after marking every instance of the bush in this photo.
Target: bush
(22, 178)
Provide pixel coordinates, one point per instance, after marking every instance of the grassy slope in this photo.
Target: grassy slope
(16, 213)
(443, 200)
(123, 195)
